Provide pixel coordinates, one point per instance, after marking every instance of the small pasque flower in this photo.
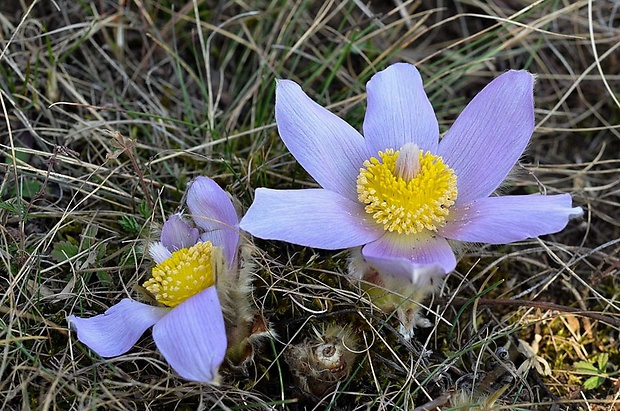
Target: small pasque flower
(188, 325)
(399, 192)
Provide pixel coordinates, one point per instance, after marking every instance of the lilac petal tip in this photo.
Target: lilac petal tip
(118, 329)
(310, 217)
(176, 234)
(500, 220)
(489, 136)
(192, 337)
(398, 111)
(215, 214)
(325, 145)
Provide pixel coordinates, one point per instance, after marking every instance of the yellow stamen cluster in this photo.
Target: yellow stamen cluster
(186, 273)
(407, 206)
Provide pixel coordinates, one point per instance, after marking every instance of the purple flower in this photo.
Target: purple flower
(188, 328)
(399, 192)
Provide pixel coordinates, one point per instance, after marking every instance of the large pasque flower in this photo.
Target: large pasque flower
(399, 191)
(188, 326)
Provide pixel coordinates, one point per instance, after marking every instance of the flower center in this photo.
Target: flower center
(407, 190)
(186, 273)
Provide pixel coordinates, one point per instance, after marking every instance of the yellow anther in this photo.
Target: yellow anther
(186, 273)
(419, 201)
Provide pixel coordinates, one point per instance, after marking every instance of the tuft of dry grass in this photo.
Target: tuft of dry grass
(110, 107)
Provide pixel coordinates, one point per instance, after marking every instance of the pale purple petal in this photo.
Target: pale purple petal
(419, 258)
(177, 234)
(500, 220)
(398, 111)
(192, 337)
(222, 237)
(490, 135)
(214, 213)
(118, 329)
(310, 217)
(159, 253)
(328, 148)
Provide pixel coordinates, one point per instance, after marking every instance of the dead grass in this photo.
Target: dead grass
(110, 108)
